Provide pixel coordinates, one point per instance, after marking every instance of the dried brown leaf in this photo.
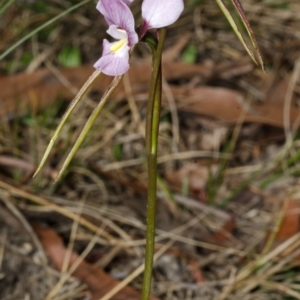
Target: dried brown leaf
(98, 282)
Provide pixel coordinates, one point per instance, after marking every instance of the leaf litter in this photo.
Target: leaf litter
(228, 185)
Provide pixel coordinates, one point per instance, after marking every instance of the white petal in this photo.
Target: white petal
(161, 13)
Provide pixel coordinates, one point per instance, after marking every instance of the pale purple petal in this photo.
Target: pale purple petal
(113, 63)
(161, 13)
(127, 1)
(116, 12)
(117, 33)
(102, 11)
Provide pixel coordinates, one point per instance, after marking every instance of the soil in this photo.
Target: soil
(228, 210)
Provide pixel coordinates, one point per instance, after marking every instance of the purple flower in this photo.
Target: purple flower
(115, 56)
(156, 14)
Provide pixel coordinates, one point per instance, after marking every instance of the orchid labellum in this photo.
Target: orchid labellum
(155, 13)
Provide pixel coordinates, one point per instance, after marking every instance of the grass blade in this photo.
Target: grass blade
(244, 18)
(6, 6)
(237, 31)
(89, 124)
(35, 31)
(65, 117)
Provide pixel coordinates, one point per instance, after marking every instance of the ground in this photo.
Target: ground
(228, 211)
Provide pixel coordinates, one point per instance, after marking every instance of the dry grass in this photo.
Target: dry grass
(105, 184)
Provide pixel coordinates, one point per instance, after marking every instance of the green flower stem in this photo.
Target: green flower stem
(152, 126)
(152, 186)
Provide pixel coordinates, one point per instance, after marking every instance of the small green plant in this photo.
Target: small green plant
(70, 57)
(189, 54)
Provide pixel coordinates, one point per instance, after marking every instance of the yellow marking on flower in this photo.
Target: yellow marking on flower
(118, 45)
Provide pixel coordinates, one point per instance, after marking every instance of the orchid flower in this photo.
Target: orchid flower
(155, 13)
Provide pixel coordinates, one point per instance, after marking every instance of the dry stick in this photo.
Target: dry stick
(135, 273)
(278, 224)
(62, 79)
(95, 213)
(72, 240)
(131, 100)
(63, 272)
(41, 201)
(287, 105)
(174, 113)
(264, 270)
(27, 226)
(282, 288)
(74, 293)
(2, 248)
(165, 158)
(109, 135)
(232, 144)
(246, 272)
(75, 265)
(278, 250)
(162, 235)
(97, 179)
(88, 125)
(271, 271)
(65, 117)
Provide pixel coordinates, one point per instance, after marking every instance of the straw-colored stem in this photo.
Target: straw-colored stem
(89, 124)
(66, 116)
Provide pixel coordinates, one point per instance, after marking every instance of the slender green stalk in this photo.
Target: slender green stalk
(35, 31)
(6, 6)
(152, 126)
